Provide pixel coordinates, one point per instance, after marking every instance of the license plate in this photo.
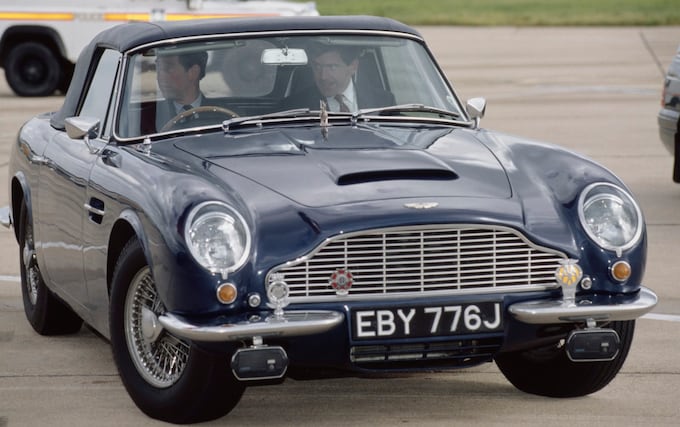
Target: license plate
(427, 321)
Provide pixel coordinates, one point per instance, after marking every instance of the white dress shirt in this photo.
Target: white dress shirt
(350, 100)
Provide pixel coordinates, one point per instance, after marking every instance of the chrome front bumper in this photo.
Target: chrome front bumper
(300, 323)
(561, 311)
(292, 323)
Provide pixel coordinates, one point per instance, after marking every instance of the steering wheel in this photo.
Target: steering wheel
(188, 114)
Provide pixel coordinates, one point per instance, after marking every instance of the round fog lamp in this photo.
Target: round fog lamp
(227, 293)
(621, 271)
(568, 274)
(278, 292)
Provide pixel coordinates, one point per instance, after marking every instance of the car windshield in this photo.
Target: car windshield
(193, 85)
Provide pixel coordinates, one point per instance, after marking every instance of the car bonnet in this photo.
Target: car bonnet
(353, 165)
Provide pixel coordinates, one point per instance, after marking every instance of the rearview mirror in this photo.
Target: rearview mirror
(284, 56)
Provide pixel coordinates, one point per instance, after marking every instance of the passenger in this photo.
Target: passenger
(334, 69)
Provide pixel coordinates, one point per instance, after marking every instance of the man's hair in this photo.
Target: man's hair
(347, 53)
(194, 58)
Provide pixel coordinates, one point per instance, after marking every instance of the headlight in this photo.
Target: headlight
(217, 237)
(610, 216)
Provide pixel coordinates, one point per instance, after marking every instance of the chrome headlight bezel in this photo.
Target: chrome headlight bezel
(614, 202)
(213, 218)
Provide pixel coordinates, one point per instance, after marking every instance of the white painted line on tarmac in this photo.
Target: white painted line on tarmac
(10, 278)
(666, 317)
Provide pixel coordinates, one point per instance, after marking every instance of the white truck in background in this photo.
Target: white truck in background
(40, 40)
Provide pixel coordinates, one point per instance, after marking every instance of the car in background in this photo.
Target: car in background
(669, 115)
(254, 237)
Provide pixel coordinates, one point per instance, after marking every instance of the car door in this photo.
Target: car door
(63, 189)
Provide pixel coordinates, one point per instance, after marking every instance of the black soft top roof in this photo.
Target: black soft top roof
(128, 36)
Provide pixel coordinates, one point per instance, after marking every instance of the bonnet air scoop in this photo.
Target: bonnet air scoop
(348, 167)
(360, 177)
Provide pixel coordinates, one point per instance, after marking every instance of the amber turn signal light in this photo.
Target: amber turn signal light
(621, 271)
(227, 293)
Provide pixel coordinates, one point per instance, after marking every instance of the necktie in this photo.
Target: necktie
(186, 107)
(341, 100)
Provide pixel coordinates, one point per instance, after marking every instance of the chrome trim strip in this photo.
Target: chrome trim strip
(291, 323)
(559, 311)
(5, 219)
(270, 33)
(94, 210)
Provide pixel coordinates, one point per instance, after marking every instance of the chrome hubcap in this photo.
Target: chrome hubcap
(151, 329)
(159, 357)
(30, 267)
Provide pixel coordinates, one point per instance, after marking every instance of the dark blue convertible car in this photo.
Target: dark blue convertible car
(231, 202)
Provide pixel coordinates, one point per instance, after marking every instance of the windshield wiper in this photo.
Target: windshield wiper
(420, 108)
(227, 125)
(230, 124)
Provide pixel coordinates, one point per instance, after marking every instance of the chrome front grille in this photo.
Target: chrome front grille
(421, 259)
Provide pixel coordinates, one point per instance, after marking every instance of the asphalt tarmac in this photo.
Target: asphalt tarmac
(593, 90)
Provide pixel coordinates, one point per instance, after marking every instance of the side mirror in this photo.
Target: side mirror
(84, 128)
(476, 107)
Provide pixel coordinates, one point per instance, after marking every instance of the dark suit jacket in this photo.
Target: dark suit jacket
(157, 114)
(310, 97)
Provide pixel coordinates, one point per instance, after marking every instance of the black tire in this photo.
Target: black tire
(46, 313)
(549, 371)
(33, 69)
(196, 386)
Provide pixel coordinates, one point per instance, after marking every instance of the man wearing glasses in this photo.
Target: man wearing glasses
(334, 69)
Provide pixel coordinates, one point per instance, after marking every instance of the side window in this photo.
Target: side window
(100, 91)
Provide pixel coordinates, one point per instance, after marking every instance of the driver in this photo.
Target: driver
(178, 78)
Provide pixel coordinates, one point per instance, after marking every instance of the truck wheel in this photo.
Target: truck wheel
(549, 371)
(46, 314)
(168, 378)
(33, 69)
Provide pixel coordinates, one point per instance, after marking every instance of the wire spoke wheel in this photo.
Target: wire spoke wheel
(47, 314)
(31, 266)
(159, 357)
(168, 378)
